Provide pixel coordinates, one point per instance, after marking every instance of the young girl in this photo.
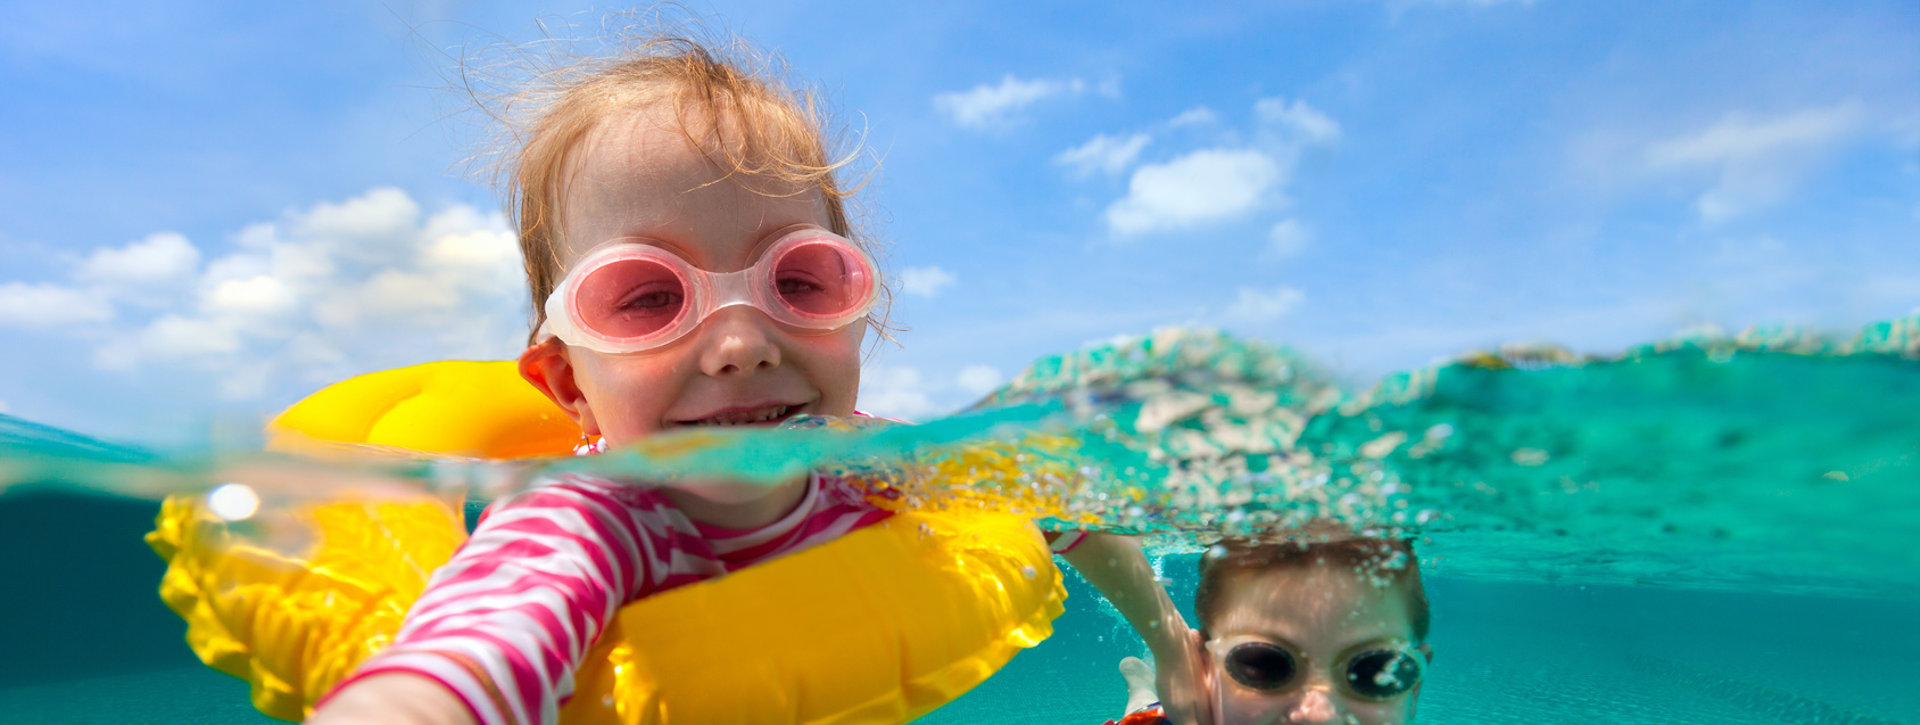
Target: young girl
(691, 263)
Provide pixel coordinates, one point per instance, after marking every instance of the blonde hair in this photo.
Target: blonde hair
(734, 109)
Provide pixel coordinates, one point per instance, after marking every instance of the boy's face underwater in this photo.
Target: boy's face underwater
(638, 176)
(1324, 614)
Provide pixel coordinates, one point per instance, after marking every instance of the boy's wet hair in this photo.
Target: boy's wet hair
(1383, 562)
(731, 106)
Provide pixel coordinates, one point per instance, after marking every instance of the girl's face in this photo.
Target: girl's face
(637, 176)
(1322, 613)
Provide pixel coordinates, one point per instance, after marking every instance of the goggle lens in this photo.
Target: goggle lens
(628, 297)
(1375, 674)
(1382, 674)
(1261, 666)
(631, 298)
(819, 279)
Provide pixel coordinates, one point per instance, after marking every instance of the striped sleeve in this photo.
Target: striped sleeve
(1062, 542)
(504, 624)
(508, 620)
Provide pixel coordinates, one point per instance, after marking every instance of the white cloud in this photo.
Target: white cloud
(1110, 154)
(256, 295)
(924, 281)
(4, 408)
(51, 305)
(1296, 121)
(160, 257)
(1216, 184)
(339, 288)
(1199, 187)
(1755, 160)
(394, 292)
(1737, 138)
(358, 227)
(172, 336)
(979, 379)
(987, 106)
(1287, 238)
(1194, 117)
(896, 392)
(1254, 305)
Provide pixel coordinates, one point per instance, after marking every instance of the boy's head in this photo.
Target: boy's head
(1314, 632)
(677, 150)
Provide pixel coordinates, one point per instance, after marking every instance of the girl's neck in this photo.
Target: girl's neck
(734, 505)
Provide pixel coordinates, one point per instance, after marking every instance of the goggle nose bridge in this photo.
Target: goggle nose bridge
(730, 288)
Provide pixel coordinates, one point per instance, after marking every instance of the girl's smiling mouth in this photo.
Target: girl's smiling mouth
(746, 415)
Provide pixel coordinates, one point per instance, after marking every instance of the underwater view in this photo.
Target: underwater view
(1665, 535)
(1362, 363)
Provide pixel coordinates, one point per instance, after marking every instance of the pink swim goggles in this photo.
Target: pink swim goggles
(627, 297)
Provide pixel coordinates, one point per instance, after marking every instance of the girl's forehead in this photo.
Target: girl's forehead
(642, 175)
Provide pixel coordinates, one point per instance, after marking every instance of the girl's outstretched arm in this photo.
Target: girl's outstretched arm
(1118, 567)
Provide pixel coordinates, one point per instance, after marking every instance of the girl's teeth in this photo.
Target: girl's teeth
(759, 416)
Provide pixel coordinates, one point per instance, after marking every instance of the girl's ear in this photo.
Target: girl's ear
(546, 366)
(1413, 696)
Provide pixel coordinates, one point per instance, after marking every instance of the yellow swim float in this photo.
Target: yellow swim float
(882, 625)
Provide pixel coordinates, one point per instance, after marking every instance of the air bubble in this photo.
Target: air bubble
(233, 502)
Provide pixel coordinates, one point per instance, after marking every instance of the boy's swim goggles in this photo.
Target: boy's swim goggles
(628, 297)
(1370, 671)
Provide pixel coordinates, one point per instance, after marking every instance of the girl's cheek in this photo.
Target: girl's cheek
(841, 368)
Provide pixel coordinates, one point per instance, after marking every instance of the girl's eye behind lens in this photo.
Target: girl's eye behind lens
(1261, 666)
(815, 279)
(796, 288)
(651, 300)
(642, 311)
(1382, 674)
(631, 298)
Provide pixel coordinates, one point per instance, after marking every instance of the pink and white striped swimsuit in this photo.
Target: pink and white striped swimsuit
(508, 620)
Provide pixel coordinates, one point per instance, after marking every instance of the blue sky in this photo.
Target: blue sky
(208, 210)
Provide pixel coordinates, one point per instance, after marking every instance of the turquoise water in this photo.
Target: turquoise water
(1696, 531)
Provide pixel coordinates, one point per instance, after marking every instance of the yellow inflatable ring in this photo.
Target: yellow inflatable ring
(884, 624)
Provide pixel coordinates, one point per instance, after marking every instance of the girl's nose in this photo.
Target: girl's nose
(737, 340)
(1314, 706)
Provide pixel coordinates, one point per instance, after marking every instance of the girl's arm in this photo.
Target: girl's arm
(503, 625)
(394, 697)
(1118, 567)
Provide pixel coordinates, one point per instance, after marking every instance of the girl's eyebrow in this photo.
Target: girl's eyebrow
(692, 252)
(630, 237)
